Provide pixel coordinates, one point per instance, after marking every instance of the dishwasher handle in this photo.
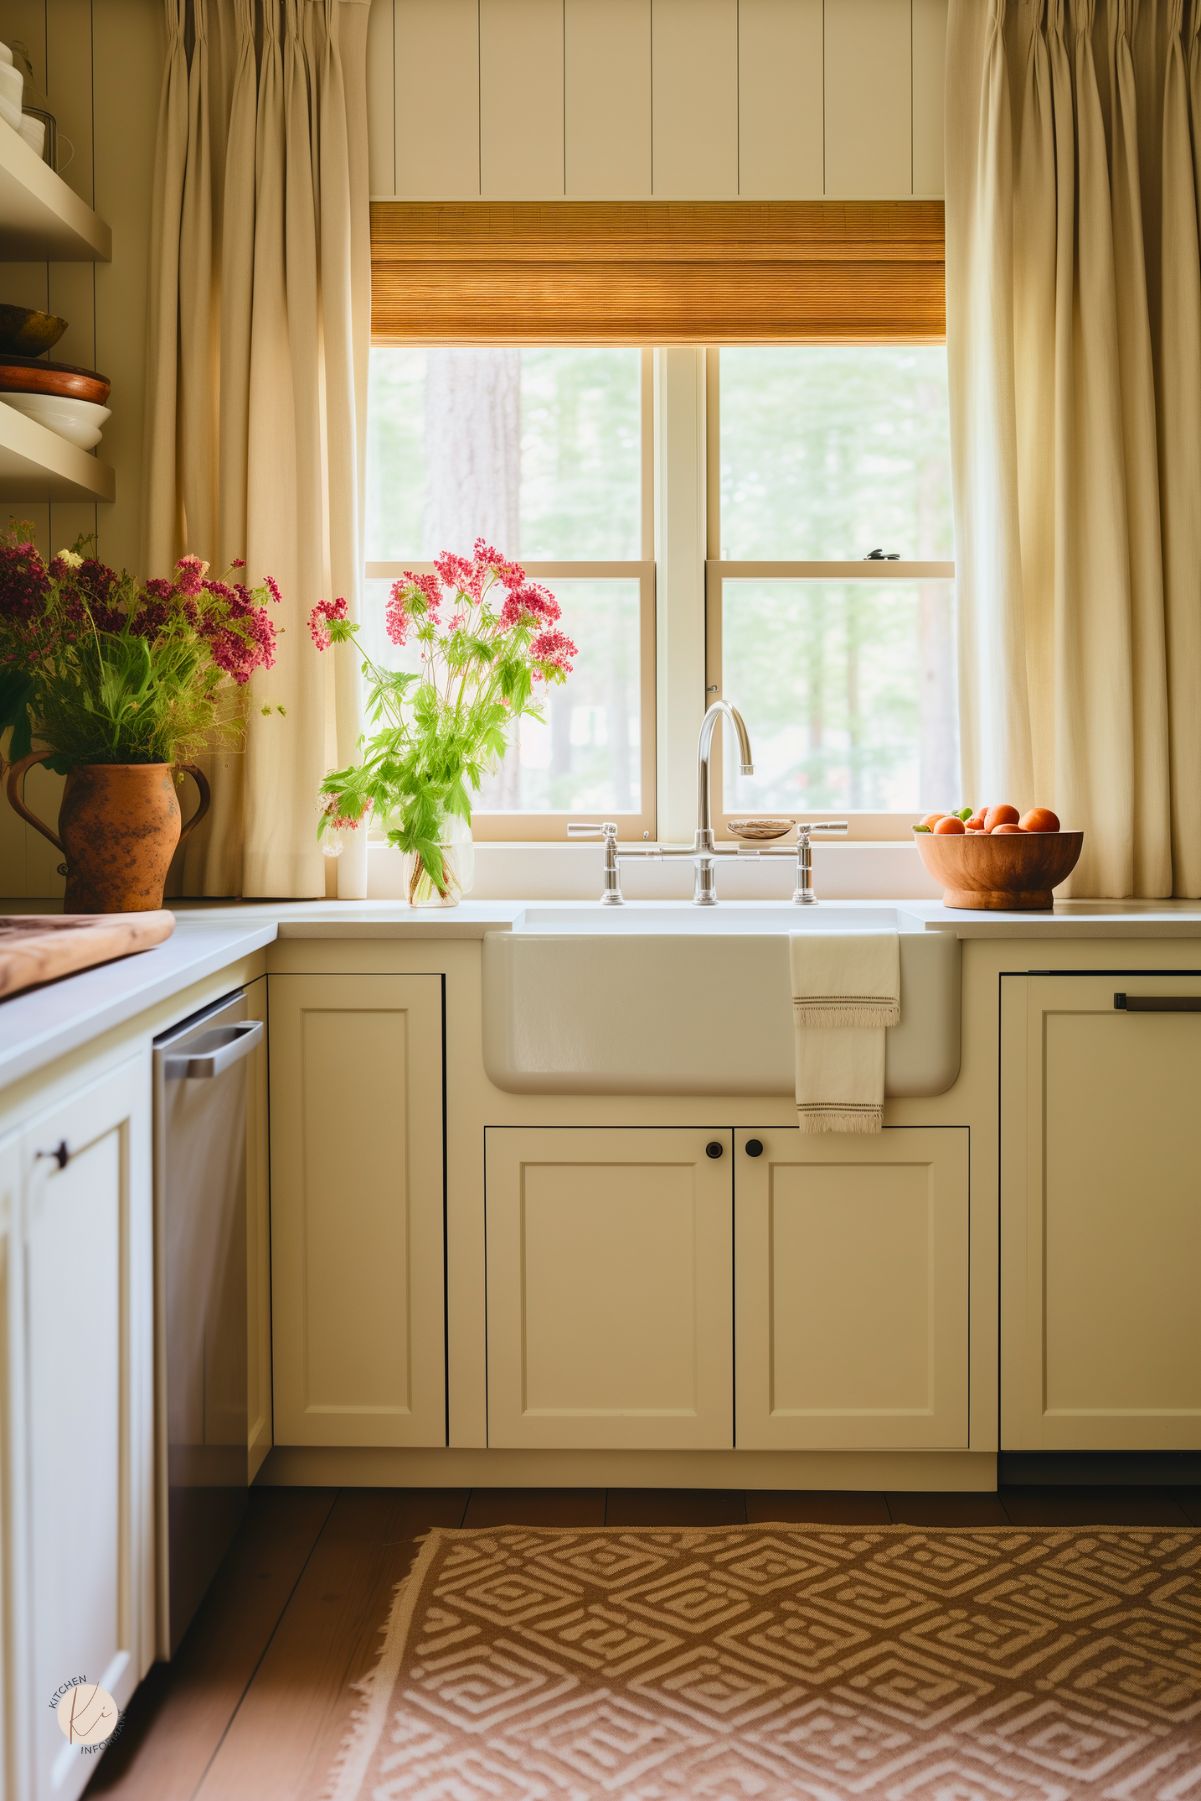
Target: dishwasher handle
(215, 1051)
(1157, 1003)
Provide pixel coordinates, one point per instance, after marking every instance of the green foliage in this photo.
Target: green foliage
(101, 668)
(435, 736)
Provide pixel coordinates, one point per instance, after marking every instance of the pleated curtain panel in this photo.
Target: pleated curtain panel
(258, 345)
(1074, 340)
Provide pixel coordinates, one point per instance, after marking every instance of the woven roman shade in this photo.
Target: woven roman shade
(657, 272)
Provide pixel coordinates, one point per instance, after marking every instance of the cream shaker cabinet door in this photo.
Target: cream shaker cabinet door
(851, 1301)
(609, 1289)
(1101, 1213)
(357, 1266)
(90, 1431)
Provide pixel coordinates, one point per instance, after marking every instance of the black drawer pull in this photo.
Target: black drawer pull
(754, 1147)
(714, 1148)
(1157, 1003)
(61, 1154)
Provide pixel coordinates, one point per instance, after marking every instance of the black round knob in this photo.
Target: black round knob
(713, 1148)
(754, 1147)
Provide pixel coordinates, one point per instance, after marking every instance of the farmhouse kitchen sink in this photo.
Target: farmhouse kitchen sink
(660, 998)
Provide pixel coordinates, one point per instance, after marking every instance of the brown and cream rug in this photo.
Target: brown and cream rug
(784, 1662)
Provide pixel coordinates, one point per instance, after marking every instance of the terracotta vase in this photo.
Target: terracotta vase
(118, 827)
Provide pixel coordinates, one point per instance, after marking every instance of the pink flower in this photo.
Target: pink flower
(192, 571)
(530, 601)
(238, 563)
(412, 597)
(488, 558)
(323, 615)
(552, 651)
(269, 582)
(459, 574)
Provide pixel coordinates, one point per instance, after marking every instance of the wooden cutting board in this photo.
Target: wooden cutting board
(40, 947)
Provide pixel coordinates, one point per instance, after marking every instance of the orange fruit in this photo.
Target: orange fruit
(931, 820)
(1006, 825)
(976, 823)
(1002, 815)
(1039, 819)
(948, 826)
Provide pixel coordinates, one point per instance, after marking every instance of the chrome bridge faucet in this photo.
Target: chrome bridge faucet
(704, 850)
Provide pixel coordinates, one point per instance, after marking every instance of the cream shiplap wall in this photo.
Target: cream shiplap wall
(656, 99)
(99, 62)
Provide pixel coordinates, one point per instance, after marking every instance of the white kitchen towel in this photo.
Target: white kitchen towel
(846, 991)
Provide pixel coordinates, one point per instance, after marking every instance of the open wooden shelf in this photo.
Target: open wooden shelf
(36, 464)
(41, 218)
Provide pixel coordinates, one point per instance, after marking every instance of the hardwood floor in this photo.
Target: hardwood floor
(258, 1699)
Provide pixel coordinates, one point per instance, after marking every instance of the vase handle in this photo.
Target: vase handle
(16, 795)
(203, 789)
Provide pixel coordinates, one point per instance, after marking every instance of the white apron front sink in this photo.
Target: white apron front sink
(661, 998)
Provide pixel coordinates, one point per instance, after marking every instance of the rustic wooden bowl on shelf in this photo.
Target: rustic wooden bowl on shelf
(1007, 872)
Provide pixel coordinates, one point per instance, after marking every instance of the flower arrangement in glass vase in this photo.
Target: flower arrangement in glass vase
(118, 681)
(489, 643)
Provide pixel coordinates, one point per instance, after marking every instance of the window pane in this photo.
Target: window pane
(587, 755)
(848, 691)
(830, 451)
(537, 449)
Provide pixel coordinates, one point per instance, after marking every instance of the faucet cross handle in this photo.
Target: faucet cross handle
(804, 894)
(611, 895)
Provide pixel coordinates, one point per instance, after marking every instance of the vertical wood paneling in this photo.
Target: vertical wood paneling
(929, 73)
(694, 52)
(437, 99)
(72, 286)
(128, 72)
(781, 148)
(868, 100)
(521, 99)
(607, 99)
(381, 98)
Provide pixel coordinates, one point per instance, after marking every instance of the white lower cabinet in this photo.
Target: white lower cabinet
(357, 1207)
(13, 1712)
(89, 1443)
(1101, 1213)
(851, 1290)
(609, 1288)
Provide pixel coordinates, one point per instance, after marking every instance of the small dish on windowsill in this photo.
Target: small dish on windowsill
(759, 831)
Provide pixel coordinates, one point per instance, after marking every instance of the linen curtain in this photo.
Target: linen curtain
(260, 320)
(1074, 347)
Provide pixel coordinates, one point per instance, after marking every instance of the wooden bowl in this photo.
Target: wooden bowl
(755, 831)
(26, 332)
(24, 375)
(1009, 872)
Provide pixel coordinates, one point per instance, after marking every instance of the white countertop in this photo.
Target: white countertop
(38, 1026)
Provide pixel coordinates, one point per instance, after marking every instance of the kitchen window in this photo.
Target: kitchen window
(545, 451)
(829, 580)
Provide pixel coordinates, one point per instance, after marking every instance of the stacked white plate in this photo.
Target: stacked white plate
(12, 87)
(79, 421)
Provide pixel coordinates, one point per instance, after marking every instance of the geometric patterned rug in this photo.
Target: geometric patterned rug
(787, 1662)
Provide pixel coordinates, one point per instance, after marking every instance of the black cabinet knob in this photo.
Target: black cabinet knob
(754, 1147)
(713, 1148)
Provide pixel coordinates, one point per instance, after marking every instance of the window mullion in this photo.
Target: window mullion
(680, 532)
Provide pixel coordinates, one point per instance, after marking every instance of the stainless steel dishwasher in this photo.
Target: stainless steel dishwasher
(201, 1068)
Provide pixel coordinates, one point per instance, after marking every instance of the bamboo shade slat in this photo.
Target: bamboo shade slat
(657, 272)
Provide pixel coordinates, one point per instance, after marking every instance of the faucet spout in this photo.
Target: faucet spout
(704, 843)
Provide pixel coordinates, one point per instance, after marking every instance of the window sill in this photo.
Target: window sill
(541, 871)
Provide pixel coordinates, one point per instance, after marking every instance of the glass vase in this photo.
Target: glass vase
(458, 868)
